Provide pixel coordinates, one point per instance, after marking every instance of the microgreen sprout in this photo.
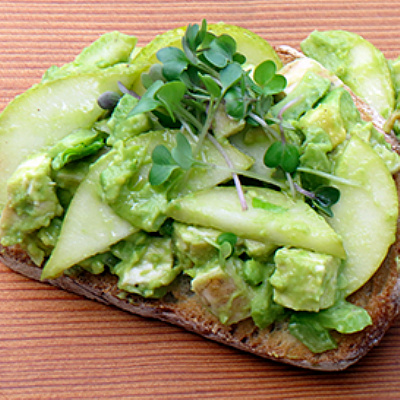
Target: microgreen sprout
(323, 198)
(226, 243)
(188, 86)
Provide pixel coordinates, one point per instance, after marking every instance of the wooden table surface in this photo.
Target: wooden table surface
(55, 345)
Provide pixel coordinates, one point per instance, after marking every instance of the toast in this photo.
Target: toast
(380, 297)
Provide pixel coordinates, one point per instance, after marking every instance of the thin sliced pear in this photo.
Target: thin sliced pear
(90, 226)
(366, 215)
(49, 111)
(277, 218)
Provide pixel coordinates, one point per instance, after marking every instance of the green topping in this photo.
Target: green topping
(144, 182)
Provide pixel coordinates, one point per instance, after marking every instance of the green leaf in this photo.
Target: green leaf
(144, 105)
(162, 156)
(344, 317)
(286, 156)
(170, 95)
(174, 60)
(239, 58)
(147, 102)
(226, 242)
(182, 153)
(273, 156)
(234, 104)
(167, 54)
(325, 198)
(159, 174)
(276, 85)
(230, 75)
(211, 86)
(227, 237)
(163, 165)
(220, 51)
(311, 333)
(173, 69)
(264, 72)
(290, 158)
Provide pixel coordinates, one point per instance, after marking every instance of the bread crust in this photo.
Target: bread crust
(380, 297)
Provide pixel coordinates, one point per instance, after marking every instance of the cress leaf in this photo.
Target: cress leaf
(327, 195)
(168, 54)
(235, 105)
(174, 60)
(182, 153)
(226, 242)
(264, 72)
(170, 96)
(215, 57)
(220, 51)
(283, 155)
(227, 237)
(211, 86)
(144, 105)
(191, 35)
(276, 85)
(162, 156)
(290, 158)
(202, 33)
(230, 75)
(160, 173)
(239, 58)
(173, 69)
(325, 198)
(163, 165)
(147, 102)
(273, 156)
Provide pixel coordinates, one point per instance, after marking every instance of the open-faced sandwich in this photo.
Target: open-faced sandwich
(245, 193)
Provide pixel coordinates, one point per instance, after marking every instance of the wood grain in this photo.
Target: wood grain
(55, 345)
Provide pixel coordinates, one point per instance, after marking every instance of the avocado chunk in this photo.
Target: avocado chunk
(194, 245)
(304, 280)
(125, 188)
(32, 200)
(146, 266)
(109, 49)
(335, 115)
(366, 215)
(122, 126)
(357, 62)
(272, 217)
(78, 144)
(222, 290)
(307, 92)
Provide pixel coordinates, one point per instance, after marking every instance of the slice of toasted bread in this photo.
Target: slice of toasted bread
(380, 297)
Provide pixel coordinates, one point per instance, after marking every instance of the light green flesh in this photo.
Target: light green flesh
(357, 63)
(367, 227)
(292, 223)
(51, 111)
(90, 226)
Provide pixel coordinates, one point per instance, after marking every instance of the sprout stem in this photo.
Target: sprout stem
(235, 177)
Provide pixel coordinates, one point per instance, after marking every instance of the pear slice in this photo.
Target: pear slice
(366, 215)
(272, 217)
(90, 225)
